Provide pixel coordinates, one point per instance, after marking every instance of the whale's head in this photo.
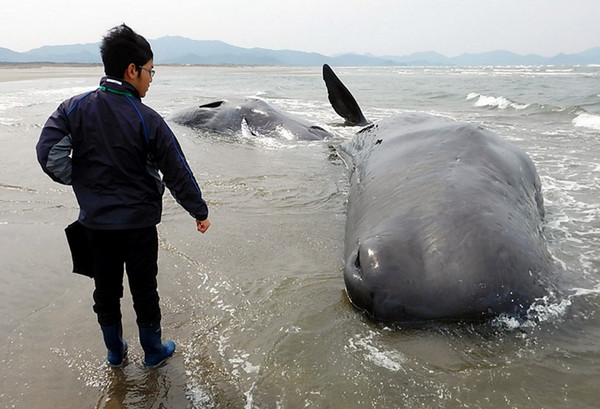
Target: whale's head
(379, 275)
(398, 276)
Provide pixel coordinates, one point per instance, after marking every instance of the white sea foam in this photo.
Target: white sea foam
(198, 396)
(494, 102)
(9, 101)
(22, 99)
(545, 309)
(586, 291)
(391, 360)
(10, 121)
(565, 70)
(586, 120)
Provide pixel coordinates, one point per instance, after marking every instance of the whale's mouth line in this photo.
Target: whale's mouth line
(215, 104)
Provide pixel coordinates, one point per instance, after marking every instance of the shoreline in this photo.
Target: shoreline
(29, 71)
(16, 71)
(11, 72)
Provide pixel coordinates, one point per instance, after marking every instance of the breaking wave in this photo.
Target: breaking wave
(585, 120)
(494, 102)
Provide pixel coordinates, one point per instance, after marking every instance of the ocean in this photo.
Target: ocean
(256, 305)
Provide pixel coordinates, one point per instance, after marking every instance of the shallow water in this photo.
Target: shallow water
(257, 305)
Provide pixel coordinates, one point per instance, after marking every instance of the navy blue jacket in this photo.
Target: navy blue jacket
(110, 147)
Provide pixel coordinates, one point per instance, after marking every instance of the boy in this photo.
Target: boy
(110, 147)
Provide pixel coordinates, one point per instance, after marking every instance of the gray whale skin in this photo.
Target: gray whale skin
(443, 219)
(251, 116)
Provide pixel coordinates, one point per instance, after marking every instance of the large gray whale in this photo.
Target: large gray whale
(443, 220)
(251, 116)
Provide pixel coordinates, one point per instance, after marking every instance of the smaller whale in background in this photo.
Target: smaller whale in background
(250, 116)
(443, 219)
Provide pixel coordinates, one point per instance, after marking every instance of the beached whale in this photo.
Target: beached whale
(249, 116)
(443, 219)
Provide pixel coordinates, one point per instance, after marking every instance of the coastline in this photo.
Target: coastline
(29, 71)
(11, 71)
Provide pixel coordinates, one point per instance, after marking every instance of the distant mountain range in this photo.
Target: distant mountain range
(180, 50)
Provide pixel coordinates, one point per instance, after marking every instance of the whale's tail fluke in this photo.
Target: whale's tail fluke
(342, 100)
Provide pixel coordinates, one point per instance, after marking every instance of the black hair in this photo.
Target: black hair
(122, 46)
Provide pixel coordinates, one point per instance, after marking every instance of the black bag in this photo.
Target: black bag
(80, 249)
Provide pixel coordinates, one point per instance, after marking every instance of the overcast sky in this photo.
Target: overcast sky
(379, 27)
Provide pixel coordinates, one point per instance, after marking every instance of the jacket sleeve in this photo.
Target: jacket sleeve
(54, 147)
(177, 175)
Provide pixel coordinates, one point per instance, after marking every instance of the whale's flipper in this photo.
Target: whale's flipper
(342, 100)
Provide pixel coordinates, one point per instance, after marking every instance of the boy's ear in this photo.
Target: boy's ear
(130, 72)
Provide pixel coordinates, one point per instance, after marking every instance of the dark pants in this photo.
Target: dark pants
(137, 250)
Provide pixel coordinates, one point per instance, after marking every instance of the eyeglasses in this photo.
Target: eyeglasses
(151, 72)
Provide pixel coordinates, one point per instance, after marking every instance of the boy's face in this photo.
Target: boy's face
(142, 81)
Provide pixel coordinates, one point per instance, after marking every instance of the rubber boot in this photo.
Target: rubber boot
(116, 345)
(156, 352)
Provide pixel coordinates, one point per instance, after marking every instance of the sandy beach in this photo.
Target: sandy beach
(30, 71)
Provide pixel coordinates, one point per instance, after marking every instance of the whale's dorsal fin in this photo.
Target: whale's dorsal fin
(342, 100)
